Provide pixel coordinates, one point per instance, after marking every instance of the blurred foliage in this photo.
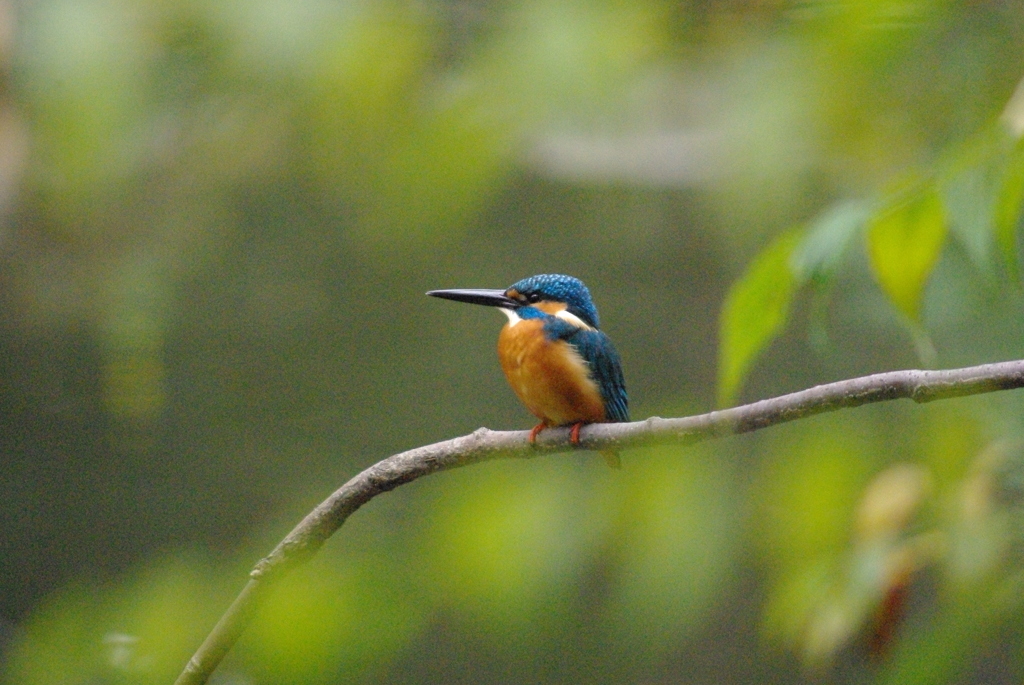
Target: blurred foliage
(217, 220)
(138, 631)
(976, 189)
(754, 313)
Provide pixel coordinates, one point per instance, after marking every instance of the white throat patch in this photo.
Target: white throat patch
(513, 318)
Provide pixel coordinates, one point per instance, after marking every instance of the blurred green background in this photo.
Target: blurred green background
(217, 223)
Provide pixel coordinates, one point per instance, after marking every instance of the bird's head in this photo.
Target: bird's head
(548, 293)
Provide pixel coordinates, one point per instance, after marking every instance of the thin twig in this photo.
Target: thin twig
(483, 445)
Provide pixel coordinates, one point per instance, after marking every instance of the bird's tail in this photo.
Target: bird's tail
(611, 457)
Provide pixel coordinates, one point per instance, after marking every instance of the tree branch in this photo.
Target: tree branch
(483, 445)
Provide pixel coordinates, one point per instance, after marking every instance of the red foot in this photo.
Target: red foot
(537, 429)
(574, 434)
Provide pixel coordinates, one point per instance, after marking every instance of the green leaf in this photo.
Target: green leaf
(1007, 210)
(968, 198)
(904, 242)
(969, 180)
(755, 310)
(829, 234)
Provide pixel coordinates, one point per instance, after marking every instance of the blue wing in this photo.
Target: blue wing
(597, 350)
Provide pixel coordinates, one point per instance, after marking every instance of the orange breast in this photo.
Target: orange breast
(549, 376)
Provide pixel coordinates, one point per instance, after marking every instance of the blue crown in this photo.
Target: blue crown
(559, 288)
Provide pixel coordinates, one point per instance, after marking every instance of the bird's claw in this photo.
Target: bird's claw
(574, 434)
(536, 429)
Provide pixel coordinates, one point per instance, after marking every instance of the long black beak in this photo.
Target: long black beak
(490, 298)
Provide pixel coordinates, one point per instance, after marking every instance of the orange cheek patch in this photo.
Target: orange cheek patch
(551, 307)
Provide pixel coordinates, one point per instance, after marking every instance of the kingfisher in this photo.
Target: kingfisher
(557, 360)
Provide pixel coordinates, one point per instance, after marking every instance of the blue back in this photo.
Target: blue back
(597, 350)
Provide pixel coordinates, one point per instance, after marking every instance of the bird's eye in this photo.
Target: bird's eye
(533, 297)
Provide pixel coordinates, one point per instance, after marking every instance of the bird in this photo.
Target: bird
(554, 355)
